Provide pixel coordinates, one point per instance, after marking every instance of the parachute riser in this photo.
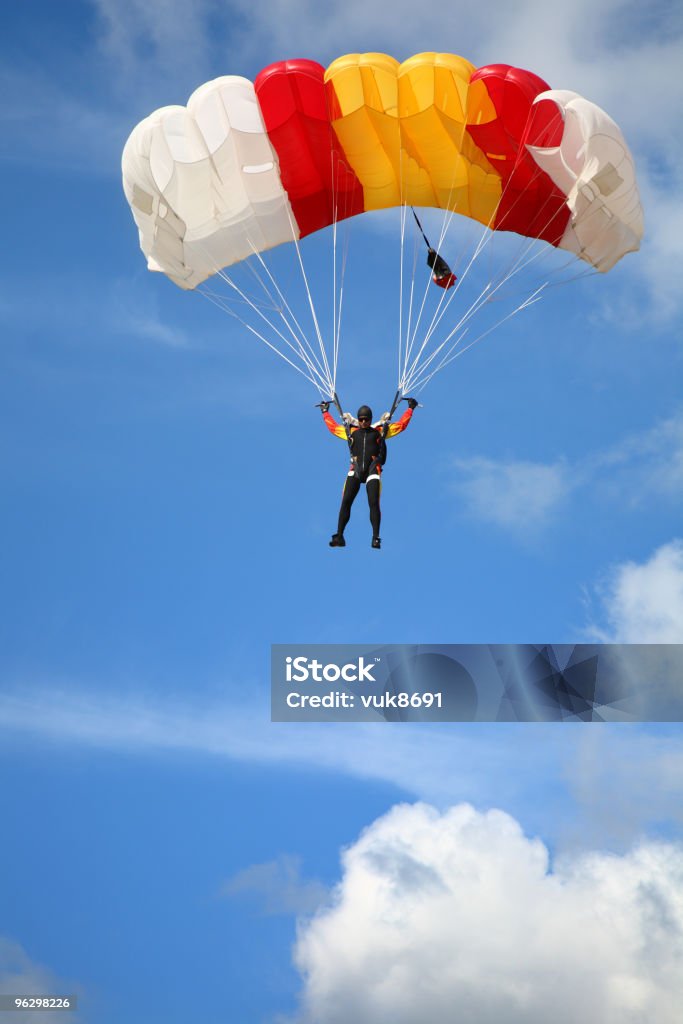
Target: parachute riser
(394, 406)
(347, 429)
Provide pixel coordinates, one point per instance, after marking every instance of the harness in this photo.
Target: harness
(382, 457)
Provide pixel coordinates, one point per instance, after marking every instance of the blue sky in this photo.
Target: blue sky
(169, 494)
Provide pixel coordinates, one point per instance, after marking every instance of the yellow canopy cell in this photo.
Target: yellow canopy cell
(403, 129)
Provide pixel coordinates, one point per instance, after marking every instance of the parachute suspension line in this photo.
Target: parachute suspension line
(286, 305)
(335, 334)
(410, 339)
(403, 216)
(400, 290)
(219, 301)
(444, 300)
(335, 324)
(422, 381)
(404, 349)
(581, 276)
(528, 244)
(338, 279)
(297, 349)
(311, 305)
(315, 372)
(410, 307)
(488, 233)
(487, 292)
(337, 337)
(525, 242)
(404, 356)
(484, 296)
(422, 378)
(412, 371)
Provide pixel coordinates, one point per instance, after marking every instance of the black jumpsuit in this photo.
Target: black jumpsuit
(368, 454)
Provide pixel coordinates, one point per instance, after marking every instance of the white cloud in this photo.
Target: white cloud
(643, 602)
(449, 914)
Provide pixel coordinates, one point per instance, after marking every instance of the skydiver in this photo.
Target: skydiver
(367, 444)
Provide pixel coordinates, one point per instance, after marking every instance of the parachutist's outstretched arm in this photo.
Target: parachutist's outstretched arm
(338, 429)
(395, 428)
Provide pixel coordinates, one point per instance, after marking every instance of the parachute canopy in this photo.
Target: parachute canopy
(245, 167)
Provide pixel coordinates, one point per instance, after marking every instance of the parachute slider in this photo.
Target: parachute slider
(441, 272)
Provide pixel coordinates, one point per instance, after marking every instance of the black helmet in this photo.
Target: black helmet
(365, 412)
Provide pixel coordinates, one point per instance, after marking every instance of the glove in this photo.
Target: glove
(412, 403)
(324, 406)
(385, 417)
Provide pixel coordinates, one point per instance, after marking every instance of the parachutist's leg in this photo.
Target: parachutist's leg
(373, 488)
(351, 489)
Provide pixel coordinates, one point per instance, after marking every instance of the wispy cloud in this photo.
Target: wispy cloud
(440, 763)
(92, 307)
(621, 778)
(143, 56)
(148, 327)
(522, 496)
(278, 886)
(642, 465)
(168, 40)
(52, 127)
